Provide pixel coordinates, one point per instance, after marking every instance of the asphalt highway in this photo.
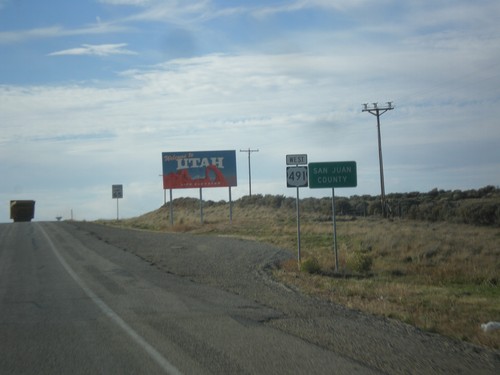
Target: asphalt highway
(72, 306)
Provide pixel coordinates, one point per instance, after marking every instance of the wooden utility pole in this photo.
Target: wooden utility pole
(249, 169)
(379, 111)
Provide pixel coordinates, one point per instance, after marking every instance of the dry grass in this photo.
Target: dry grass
(440, 277)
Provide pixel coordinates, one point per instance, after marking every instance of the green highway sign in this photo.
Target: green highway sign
(340, 174)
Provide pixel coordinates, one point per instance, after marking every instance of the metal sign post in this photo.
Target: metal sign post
(297, 177)
(335, 232)
(298, 226)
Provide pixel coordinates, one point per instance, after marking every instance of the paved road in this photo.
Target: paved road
(79, 305)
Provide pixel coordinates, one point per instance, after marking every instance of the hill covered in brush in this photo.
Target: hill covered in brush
(476, 207)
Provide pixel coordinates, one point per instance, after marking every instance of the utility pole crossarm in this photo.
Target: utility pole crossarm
(376, 110)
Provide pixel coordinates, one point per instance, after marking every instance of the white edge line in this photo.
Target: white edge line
(153, 353)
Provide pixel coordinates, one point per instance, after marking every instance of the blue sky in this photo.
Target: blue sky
(92, 92)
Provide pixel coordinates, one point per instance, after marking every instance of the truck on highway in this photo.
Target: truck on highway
(22, 210)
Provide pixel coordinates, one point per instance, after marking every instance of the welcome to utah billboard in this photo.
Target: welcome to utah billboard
(199, 169)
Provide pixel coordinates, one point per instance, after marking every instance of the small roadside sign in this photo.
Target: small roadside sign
(296, 159)
(296, 176)
(117, 191)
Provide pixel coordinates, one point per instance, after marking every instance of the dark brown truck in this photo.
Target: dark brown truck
(22, 210)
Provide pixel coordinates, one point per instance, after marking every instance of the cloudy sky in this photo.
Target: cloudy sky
(93, 91)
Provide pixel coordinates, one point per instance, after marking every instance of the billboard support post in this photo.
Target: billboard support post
(171, 210)
(230, 207)
(201, 205)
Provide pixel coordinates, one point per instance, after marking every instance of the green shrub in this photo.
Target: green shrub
(480, 212)
(310, 265)
(360, 262)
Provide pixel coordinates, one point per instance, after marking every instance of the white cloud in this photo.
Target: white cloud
(268, 101)
(7, 37)
(174, 12)
(21, 36)
(127, 2)
(298, 5)
(96, 50)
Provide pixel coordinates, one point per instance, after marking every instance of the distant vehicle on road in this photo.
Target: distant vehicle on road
(22, 210)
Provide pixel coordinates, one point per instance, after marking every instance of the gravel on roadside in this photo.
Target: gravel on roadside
(244, 267)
